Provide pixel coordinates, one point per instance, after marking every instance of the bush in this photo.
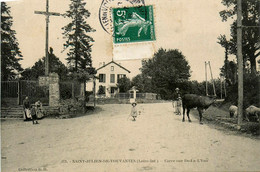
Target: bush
(65, 91)
(251, 91)
(101, 90)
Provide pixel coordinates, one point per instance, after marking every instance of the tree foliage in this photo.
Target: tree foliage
(142, 83)
(229, 71)
(250, 29)
(251, 91)
(10, 52)
(83, 75)
(78, 42)
(101, 90)
(124, 84)
(38, 68)
(167, 70)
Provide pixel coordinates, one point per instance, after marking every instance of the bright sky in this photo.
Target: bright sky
(188, 25)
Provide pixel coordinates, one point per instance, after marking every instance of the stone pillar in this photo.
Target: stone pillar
(54, 89)
(82, 98)
(82, 89)
(133, 90)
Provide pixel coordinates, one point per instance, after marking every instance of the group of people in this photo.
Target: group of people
(176, 105)
(32, 111)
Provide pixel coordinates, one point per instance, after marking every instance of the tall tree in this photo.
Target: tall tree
(38, 68)
(142, 83)
(250, 30)
(222, 40)
(167, 70)
(10, 52)
(229, 71)
(79, 43)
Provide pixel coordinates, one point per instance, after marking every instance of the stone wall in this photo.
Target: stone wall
(56, 105)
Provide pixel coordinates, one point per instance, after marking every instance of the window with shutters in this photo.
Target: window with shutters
(102, 78)
(112, 78)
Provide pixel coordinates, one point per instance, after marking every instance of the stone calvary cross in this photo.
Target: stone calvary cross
(47, 14)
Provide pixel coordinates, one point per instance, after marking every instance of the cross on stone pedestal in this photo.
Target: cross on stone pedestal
(47, 14)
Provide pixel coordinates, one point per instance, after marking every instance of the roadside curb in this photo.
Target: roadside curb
(232, 126)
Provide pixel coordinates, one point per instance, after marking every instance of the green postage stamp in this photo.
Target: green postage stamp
(133, 24)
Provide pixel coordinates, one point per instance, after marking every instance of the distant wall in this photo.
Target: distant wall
(126, 101)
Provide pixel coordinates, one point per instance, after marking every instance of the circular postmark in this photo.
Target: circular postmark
(105, 11)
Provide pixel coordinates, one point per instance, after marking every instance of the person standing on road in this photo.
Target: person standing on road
(134, 111)
(177, 101)
(26, 109)
(33, 113)
(38, 108)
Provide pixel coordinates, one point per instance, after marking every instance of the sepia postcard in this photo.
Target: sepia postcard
(128, 86)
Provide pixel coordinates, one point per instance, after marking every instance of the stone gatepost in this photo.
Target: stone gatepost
(133, 91)
(54, 89)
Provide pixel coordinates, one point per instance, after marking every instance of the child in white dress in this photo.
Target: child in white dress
(134, 111)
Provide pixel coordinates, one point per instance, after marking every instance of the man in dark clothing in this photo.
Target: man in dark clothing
(26, 108)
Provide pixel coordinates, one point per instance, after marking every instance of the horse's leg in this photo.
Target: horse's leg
(139, 31)
(124, 29)
(200, 114)
(188, 114)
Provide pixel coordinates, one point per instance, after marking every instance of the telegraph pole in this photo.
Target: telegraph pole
(240, 62)
(220, 88)
(47, 64)
(47, 15)
(214, 89)
(206, 79)
(225, 91)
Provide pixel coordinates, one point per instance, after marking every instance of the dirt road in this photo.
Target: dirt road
(109, 141)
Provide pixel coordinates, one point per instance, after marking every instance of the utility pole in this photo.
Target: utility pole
(94, 90)
(220, 88)
(47, 15)
(206, 78)
(225, 91)
(214, 89)
(240, 62)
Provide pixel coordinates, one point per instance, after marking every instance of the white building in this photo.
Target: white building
(108, 75)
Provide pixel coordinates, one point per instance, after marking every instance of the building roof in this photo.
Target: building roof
(115, 64)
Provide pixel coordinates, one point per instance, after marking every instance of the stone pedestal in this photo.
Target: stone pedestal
(82, 98)
(133, 91)
(82, 89)
(54, 89)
